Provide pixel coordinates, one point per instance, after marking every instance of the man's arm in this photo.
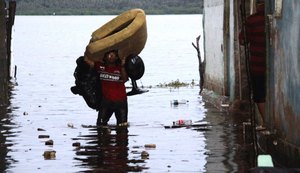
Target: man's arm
(124, 75)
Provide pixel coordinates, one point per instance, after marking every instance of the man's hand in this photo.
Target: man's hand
(123, 60)
(88, 61)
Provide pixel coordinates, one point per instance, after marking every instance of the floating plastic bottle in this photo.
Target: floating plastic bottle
(182, 123)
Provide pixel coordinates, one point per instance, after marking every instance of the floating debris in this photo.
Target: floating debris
(145, 155)
(182, 123)
(44, 136)
(71, 125)
(25, 113)
(187, 123)
(40, 129)
(76, 144)
(150, 146)
(87, 126)
(177, 102)
(49, 155)
(49, 142)
(137, 146)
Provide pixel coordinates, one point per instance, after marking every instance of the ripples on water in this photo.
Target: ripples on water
(45, 50)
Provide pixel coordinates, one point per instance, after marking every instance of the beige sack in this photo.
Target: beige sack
(126, 33)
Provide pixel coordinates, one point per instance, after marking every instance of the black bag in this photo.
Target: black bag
(135, 67)
(87, 84)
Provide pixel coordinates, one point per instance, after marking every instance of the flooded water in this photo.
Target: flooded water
(42, 108)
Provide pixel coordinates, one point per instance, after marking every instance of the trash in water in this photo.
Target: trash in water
(49, 142)
(187, 123)
(44, 136)
(40, 129)
(145, 155)
(71, 125)
(150, 146)
(76, 144)
(87, 126)
(49, 155)
(177, 102)
(182, 123)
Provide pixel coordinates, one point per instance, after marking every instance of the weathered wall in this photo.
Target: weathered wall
(213, 45)
(230, 52)
(2, 39)
(225, 68)
(283, 96)
(220, 40)
(3, 56)
(284, 70)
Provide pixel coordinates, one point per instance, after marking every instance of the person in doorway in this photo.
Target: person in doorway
(256, 37)
(112, 78)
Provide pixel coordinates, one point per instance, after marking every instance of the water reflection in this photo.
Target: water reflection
(226, 147)
(106, 150)
(6, 127)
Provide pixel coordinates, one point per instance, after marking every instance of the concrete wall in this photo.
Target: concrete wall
(223, 62)
(283, 96)
(232, 61)
(225, 69)
(213, 45)
(284, 61)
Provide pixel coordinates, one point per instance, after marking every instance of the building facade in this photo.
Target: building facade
(225, 72)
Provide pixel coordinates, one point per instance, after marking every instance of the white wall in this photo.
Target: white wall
(213, 43)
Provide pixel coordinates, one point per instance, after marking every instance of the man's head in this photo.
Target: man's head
(111, 57)
(260, 2)
(260, 6)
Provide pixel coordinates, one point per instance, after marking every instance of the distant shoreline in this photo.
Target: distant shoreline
(102, 7)
(96, 14)
(88, 14)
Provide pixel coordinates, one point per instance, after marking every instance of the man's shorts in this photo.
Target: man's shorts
(259, 88)
(120, 108)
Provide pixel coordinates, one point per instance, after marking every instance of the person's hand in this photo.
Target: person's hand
(123, 59)
(124, 75)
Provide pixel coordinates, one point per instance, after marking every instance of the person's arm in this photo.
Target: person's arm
(124, 75)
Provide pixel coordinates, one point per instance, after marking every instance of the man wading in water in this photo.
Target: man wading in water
(113, 76)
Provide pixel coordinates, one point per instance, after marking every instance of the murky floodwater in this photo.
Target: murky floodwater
(80, 146)
(42, 108)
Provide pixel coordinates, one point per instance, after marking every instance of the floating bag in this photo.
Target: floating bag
(135, 67)
(87, 84)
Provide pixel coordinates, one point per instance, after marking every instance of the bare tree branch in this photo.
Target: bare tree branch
(201, 63)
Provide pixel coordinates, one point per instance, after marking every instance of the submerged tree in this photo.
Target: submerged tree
(201, 64)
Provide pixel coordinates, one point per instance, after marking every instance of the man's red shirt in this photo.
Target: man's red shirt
(113, 87)
(255, 33)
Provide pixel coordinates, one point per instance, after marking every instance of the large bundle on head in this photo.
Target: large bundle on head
(126, 33)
